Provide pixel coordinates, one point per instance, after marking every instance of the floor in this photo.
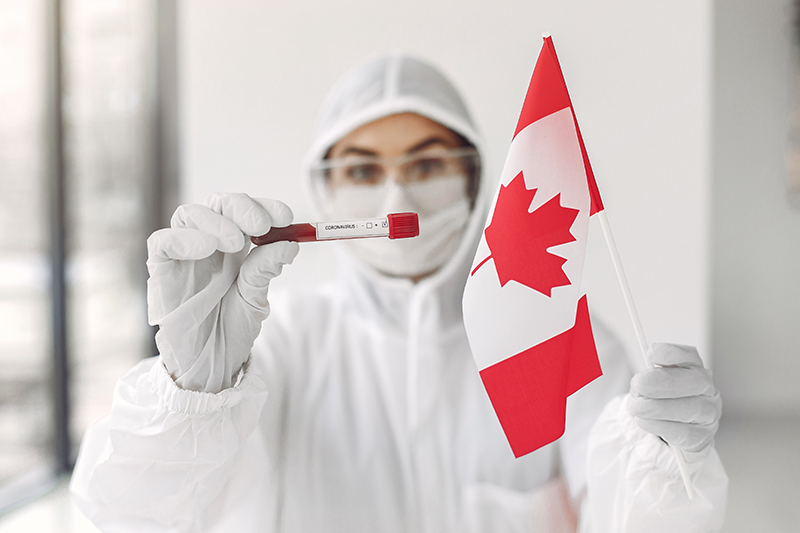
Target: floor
(52, 513)
(760, 454)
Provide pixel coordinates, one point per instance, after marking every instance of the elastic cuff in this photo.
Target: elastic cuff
(195, 403)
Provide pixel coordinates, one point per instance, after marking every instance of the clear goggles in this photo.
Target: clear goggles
(407, 168)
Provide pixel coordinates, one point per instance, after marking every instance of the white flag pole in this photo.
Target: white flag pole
(637, 327)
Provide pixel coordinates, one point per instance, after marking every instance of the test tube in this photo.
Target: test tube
(393, 225)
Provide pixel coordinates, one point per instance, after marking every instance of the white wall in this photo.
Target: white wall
(254, 73)
(756, 233)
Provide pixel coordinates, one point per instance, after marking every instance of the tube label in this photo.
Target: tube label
(352, 229)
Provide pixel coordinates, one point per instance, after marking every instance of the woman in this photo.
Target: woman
(358, 407)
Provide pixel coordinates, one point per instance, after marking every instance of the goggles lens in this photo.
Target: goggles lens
(414, 167)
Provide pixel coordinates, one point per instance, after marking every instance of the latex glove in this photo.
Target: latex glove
(676, 400)
(206, 293)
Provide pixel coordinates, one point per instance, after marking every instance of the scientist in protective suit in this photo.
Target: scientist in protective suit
(357, 407)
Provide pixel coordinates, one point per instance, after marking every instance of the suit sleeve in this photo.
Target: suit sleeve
(168, 459)
(634, 483)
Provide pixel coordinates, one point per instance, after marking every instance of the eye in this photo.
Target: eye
(364, 173)
(425, 168)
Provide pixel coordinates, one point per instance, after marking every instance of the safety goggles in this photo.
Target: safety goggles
(407, 168)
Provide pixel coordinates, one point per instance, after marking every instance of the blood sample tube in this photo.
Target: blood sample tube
(394, 226)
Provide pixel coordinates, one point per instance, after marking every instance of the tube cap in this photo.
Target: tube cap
(403, 225)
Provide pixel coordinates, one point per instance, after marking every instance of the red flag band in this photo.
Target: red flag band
(547, 94)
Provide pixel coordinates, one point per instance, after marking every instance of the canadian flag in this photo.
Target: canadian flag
(525, 312)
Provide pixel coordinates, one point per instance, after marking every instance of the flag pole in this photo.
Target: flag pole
(637, 327)
(626, 290)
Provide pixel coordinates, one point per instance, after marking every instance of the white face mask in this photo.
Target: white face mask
(443, 208)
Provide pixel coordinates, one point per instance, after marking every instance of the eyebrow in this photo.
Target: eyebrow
(355, 150)
(426, 143)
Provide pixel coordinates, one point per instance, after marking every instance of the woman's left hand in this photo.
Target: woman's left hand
(676, 400)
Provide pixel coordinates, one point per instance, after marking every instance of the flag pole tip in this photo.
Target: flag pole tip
(545, 35)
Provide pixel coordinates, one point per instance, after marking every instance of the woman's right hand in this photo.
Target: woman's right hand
(207, 290)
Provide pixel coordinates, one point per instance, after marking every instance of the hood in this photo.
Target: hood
(381, 86)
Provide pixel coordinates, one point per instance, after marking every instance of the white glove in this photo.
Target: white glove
(206, 293)
(676, 400)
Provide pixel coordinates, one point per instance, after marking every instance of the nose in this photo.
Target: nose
(395, 173)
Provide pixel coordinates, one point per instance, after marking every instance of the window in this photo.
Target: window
(111, 110)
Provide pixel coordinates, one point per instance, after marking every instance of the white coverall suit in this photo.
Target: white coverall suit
(361, 409)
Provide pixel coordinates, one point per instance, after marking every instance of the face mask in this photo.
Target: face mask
(443, 209)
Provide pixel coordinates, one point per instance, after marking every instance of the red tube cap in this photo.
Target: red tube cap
(403, 225)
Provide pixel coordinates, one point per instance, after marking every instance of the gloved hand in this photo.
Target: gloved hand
(677, 399)
(206, 293)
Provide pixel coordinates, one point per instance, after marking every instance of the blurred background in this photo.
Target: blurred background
(112, 112)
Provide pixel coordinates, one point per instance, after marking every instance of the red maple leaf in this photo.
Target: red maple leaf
(519, 240)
